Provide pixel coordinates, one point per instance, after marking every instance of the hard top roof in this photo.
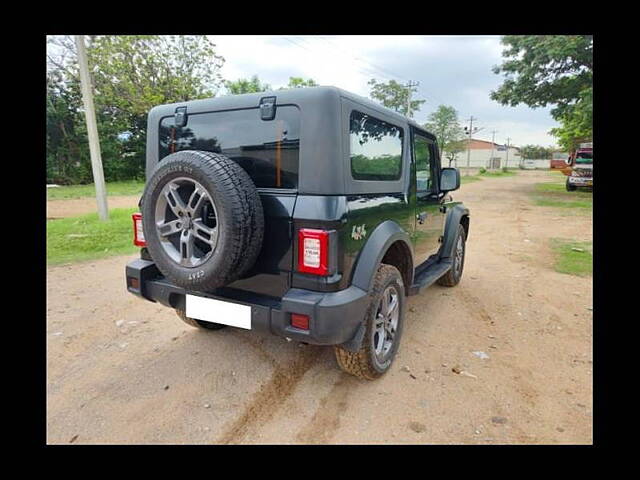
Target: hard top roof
(289, 95)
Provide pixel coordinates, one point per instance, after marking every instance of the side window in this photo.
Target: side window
(422, 155)
(376, 148)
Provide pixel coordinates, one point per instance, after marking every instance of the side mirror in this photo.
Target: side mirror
(449, 179)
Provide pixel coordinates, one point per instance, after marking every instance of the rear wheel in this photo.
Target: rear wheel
(384, 320)
(198, 323)
(570, 187)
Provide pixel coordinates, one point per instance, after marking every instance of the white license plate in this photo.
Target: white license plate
(217, 311)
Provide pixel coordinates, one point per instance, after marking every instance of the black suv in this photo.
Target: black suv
(309, 213)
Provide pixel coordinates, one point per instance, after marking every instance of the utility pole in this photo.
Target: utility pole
(470, 131)
(92, 130)
(469, 144)
(506, 163)
(493, 144)
(409, 86)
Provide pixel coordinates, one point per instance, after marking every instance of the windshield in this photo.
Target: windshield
(584, 158)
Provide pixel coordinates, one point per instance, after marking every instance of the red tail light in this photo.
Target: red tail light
(300, 321)
(138, 234)
(313, 251)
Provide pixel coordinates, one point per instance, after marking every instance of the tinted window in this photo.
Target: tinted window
(422, 155)
(267, 150)
(376, 148)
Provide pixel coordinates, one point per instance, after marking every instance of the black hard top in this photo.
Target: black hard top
(322, 132)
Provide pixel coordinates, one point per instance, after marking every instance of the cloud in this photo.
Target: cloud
(452, 70)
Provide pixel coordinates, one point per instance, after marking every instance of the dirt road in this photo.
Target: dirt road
(122, 370)
(80, 206)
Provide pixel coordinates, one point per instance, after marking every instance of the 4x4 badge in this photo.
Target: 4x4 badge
(358, 232)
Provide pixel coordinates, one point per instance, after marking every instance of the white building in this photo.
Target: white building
(488, 155)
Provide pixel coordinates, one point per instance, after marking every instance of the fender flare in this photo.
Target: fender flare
(383, 236)
(454, 218)
(370, 258)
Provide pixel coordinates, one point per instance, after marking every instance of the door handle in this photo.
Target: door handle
(422, 216)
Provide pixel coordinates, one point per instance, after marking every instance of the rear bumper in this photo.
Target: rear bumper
(334, 317)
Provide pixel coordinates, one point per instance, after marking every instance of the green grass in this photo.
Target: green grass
(129, 187)
(555, 195)
(469, 179)
(85, 237)
(570, 261)
(498, 173)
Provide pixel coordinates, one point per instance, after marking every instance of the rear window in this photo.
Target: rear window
(267, 150)
(376, 148)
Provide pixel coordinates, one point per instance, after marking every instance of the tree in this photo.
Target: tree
(395, 96)
(536, 152)
(299, 82)
(443, 123)
(243, 85)
(131, 74)
(557, 70)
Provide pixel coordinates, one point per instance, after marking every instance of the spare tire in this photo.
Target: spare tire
(202, 219)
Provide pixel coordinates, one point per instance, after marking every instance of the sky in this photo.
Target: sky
(452, 70)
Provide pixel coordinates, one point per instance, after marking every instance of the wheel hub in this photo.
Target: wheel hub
(186, 222)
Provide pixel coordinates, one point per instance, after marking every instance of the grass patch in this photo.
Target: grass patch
(469, 179)
(555, 195)
(85, 237)
(574, 258)
(498, 173)
(129, 187)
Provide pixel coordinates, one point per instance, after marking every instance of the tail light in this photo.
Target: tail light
(138, 234)
(313, 251)
(300, 321)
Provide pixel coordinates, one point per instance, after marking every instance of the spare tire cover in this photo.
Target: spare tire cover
(202, 219)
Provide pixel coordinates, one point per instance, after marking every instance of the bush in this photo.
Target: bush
(483, 170)
(504, 169)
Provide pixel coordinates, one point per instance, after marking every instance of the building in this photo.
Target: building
(488, 155)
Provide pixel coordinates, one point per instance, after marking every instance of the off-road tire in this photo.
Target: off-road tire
(239, 211)
(363, 363)
(452, 277)
(197, 323)
(571, 188)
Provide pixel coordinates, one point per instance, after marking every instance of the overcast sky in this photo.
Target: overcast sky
(452, 70)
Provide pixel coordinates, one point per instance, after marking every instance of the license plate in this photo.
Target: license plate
(217, 311)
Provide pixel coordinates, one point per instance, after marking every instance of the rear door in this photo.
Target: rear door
(429, 216)
(268, 150)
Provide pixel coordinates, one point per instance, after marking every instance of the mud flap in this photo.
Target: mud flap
(355, 343)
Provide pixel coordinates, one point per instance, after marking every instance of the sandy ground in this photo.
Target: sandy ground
(122, 370)
(79, 206)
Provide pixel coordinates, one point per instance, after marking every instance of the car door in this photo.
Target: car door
(429, 216)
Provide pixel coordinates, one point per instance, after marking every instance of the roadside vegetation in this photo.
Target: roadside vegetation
(554, 194)
(127, 187)
(85, 237)
(486, 173)
(574, 258)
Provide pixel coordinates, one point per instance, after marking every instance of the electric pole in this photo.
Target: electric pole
(92, 130)
(409, 86)
(470, 131)
(506, 164)
(493, 144)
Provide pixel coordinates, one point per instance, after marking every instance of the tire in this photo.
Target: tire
(211, 218)
(197, 323)
(570, 188)
(368, 363)
(453, 276)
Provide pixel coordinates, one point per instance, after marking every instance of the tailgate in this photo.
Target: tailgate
(271, 274)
